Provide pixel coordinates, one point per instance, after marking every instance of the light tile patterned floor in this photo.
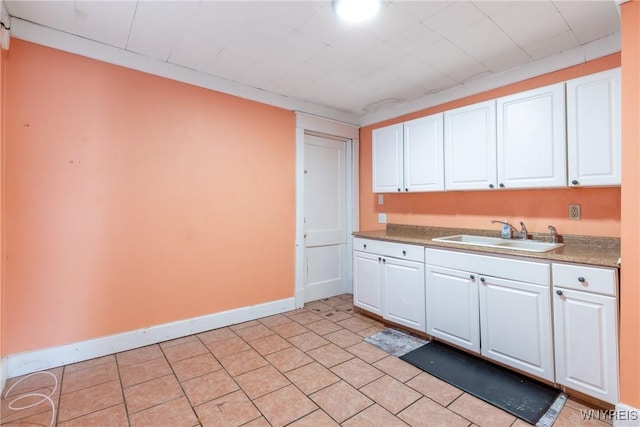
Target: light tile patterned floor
(308, 367)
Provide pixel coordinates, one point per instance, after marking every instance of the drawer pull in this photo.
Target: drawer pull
(365, 246)
(472, 277)
(404, 253)
(559, 292)
(581, 279)
(384, 261)
(482, 279)
(379, 259)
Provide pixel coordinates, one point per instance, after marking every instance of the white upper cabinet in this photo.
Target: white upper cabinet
(387, 159)
(593, 129)
(531, 139)
(408, 156)
(470, 147)
(423, 159)
(565, 134)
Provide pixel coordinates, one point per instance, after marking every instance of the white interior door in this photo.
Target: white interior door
(325, 230)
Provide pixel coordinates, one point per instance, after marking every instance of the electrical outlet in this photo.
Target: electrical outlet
(382, 218)
(381, 199)
(574, 211)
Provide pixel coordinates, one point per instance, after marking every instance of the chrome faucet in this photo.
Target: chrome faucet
(522, 233)
(553, 234)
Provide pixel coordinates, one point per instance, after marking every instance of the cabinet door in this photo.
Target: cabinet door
(404, 292)
(423, 159)
(387, 159)
(593, 129)
(452, 306)
(367, 282)
(531, 139)
(470, 147)
(515, 325)
(586, 337)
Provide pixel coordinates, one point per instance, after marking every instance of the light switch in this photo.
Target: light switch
(381, 199)
(382, 218)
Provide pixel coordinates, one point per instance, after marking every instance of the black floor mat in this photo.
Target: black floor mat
(519, 395)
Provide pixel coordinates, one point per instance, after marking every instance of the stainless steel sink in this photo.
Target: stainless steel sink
(499, 243)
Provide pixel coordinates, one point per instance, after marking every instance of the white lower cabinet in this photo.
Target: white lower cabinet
(515, 325)
(452, 306)
(498, 307)
(585, 316)
(558, 322)
(404, 292)
(367, 280)
(388, 280)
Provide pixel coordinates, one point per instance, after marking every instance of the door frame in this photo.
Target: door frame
(331, 129)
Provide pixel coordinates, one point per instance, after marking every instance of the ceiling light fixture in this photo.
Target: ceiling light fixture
(355, 10)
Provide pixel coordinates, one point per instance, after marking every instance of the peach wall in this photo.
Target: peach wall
(474, 209)
(133, 200)
(630, 271)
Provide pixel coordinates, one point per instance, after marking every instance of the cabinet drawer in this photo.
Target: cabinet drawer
(491, 265)
(598, 280)
(390, 249)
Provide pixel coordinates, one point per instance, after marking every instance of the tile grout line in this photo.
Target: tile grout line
(313, 361)
(175, 376)
(252, 400)
(124, 400)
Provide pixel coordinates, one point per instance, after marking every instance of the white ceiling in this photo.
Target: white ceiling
(297, 53)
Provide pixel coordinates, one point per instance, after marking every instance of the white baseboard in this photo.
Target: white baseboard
(626, 416)
(15, 365)
(3, 373)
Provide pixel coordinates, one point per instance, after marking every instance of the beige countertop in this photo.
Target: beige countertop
(599, 251)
